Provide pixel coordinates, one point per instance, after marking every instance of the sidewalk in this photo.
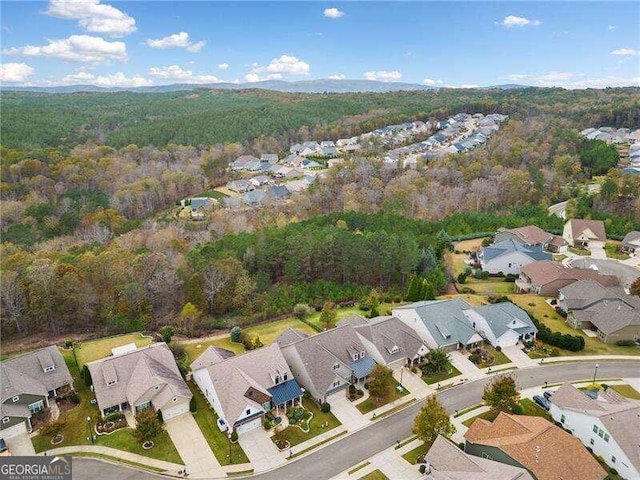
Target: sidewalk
(167, 467)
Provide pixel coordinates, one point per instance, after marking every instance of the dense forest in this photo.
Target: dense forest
(207, 116)
(90, 241)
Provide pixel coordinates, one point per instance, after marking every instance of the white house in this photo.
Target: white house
(502, 324)
(509, 256)
(610, 425)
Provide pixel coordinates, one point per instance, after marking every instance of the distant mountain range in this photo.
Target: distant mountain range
(303, 86)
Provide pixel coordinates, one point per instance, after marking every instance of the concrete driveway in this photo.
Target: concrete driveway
(198, 458)
(346, 412)
(598, 252)
(20, 445)
(466, 367)
(261, 451)
(517, 356)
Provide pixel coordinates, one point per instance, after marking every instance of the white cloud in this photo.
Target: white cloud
(174, 72)
(76, 48)
(117, 79)
(431, 82)
(553, 78)
(284, 65)
(611, 27)
(337, 77)
(513, 21)
(516, 77)
(15, 72)
(177, 40)
(94, 16)
(609, 81)
(626, 52)
(383, 76)
(223, 66)
(333, 13)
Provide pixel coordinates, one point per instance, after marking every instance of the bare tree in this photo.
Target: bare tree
(14, 300)
(214, 279)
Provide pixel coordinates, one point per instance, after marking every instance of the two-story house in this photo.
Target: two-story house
(135, 379)
(546, 278)
(27, 383)
(609, 425)
(242, 389)
(509, 256)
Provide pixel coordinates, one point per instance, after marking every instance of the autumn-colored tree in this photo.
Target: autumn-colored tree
(502, 393)
(329, 315)
(432, 420)
(381, 384)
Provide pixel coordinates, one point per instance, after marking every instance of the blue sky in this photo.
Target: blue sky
(139, 43)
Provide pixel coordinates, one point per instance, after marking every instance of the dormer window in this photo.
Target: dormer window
(362, 354)
(336, 366)
(285, 377)
(5, 419)
(276, 380)
(112, 382)
(394, 349)
(355, 356)
(16, 398)
(50, 368)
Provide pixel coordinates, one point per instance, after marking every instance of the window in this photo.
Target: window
(336, 366)
(284, 377)
(606, 437)
(600, 433)
(5, 419)
(336, 383)
(16, 398)
(36, 407)
(112, 382)
(509, 265)
(276, 380)
(613, 459)
(362, 354)
(562, 418)
(355, 356)
(50, 368)
(248, 412)
(595, 429)
(175, 399)
(592, 441)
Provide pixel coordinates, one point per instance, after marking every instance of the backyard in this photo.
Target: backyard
(218, 441)
(449, 372)
(541, 310)
(369, 404)
(296, 436)
(101, 348)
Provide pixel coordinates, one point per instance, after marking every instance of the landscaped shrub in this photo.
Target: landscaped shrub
(498, 348)
(234, 436)
(485, 275)
(52, 429)
(193, 405)
(159, 415)
(235, 334)
(302, 310)
(461, 446)
(68, 343)
(574, 343)
(478, 274)
(112, 417)
(613, 471)
(625, 343)
(325, 407)
(75, 398)
(422, 469)
(167, 333)
(511, 278)
(462, 277)
(475, 358)
(518, 410)
(555, 352)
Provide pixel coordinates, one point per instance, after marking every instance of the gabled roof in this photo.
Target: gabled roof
(508, 246)
(445, 320)
(619, 415)
(137, 373)
(579, 226)
(234, 377)
(25, 374)
(505, 316)
(530, 235)
(632, 238)
(544, 272)
(585, 293)
(290, 335)
(547, 451)
(448, 462)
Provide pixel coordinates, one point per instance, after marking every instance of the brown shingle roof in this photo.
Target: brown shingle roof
(544, 449)
(547, 271)
(579, 225)
(532, 235)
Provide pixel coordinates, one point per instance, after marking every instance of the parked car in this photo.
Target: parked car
(543, 402)
(547, 394)
(222, 425)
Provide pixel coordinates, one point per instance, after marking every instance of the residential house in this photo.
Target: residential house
(269, 158)
(546, 278)
(530, 235)
(240, 186)
(278, 192)
(631, 243)
(327, 363)
(445, 461)
(294, 160)
(440, 323)
(509, 256)
(27, 384)
(260, 180)
(533, 443)
(255, 198)
(502, 324)
(242, 389)
(609, 311)
(388, 340)
(140, 378)
(242, 161)
(608, 425)
(200, 205)
(296, 148)
(584, 233)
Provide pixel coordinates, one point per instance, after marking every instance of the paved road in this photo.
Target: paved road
(558, 209)
(337, 457)
(627, 274)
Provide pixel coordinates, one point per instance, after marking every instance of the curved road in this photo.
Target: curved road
(357, 447)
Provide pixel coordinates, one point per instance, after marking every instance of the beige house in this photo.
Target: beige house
(583, 233)
(546, 278)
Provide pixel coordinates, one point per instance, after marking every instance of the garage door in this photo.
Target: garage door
(168, 413)
(245, 427)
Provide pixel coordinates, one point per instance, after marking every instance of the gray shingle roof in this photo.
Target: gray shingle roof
(137, 374)
(499, 316)
(632, 239)
(584, 293)
(290, 335)
(387, 332)
(507, 246)
(25, 373)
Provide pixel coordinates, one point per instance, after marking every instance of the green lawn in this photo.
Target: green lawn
(449, 372)
(412, 456)
(268, 333)
(490, 416)
(540, 309)
(626, 391)
(612, 249)
(295, 436)
(211, 194)
(314, 318)
(488, 286)
(499, 358)
(580, 251)
(206, 419)
(369, 404)
(76, 429)
(531, 408)
(558, 257)
(101, 348)
(375, 475)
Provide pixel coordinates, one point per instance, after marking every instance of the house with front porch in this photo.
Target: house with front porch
(242, 389)
(327, 363)
(502, 324)
(134, 379)
(509, 256)
(27, 384)
(388, 340)
(584, 233)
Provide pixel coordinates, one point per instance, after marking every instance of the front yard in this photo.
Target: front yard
(537, 307)
(101, 348)
(449, 372)
(493, 357)
(375, 475)
(369, 404)
(295, 436)
(626, 391)
(612, 249)
(218, 441)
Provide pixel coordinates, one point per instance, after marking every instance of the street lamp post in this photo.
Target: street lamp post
(229, 437)
(595, 373)
(401, 372)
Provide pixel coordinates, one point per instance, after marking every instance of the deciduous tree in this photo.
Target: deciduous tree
(432, 420)
(502, 394)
